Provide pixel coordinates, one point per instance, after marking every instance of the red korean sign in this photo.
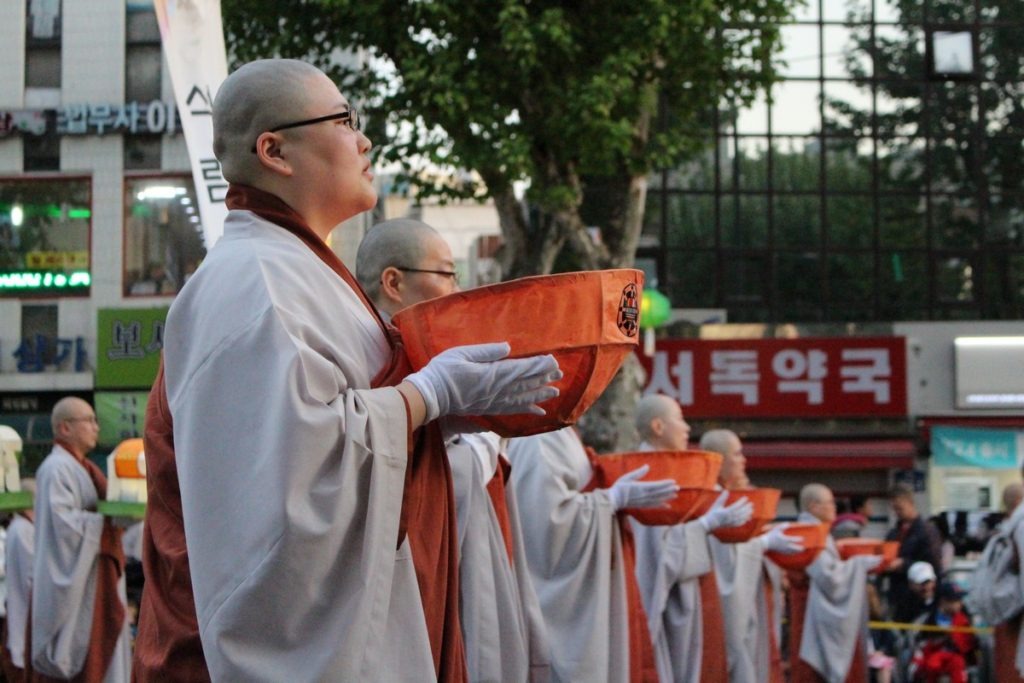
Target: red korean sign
(834, 377)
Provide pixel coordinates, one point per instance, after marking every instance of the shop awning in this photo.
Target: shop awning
(830, 455)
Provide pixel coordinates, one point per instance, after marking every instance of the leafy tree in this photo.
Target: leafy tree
(578, 101)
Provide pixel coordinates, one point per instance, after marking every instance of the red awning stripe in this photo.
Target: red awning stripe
(830, 455)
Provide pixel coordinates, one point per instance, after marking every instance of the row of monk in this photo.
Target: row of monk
(318, 511)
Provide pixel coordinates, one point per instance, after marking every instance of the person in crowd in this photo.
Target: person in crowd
(402, 262)
(919, 542)
(287, 441)
(1008, 643)
(581, 557)
(78, 625)
(673, 561)
(750, 588)
(921, 582)
(945, 656)
(850, 523)
(828, 606)
(18, 557)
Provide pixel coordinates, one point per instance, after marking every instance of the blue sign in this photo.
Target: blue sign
(969, 447)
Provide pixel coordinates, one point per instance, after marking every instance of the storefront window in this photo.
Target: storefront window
(45, 227)
(163, 242)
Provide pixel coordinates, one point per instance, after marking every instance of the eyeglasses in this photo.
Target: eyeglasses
(350, 117)
(448, 273)
(91, 418)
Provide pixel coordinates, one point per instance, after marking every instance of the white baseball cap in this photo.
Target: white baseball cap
(920, 572)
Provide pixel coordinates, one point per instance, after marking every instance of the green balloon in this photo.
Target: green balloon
(655, 309)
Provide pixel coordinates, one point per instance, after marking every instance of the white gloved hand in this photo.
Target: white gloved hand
(720, 516)
(869, 561)
(628, 492)
(475, 380)
(776, 540)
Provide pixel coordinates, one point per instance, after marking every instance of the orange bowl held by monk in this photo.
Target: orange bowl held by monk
(765, 501)
(814, 536)
(589, 321)
(695, 471)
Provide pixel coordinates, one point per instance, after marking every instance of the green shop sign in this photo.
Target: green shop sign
(128, 345)
(121, 414)
(970, 447)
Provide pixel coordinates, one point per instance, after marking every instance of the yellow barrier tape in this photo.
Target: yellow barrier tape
(894, 626)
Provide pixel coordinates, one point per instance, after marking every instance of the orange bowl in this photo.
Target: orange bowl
(130, 460)
(695, 471)
(765, 501)
(815, 536)
(852, 547)
(588, 321)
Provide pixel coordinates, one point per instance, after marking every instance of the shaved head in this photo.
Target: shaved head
(398, 242)
(254, 99)
(68, 408)
(1012, 496)
(813, 493)
(649, 408)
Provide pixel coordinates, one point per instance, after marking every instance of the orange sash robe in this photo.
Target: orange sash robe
(167, 645)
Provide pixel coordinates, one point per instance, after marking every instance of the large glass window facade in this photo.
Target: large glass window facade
(45, 232)
(882, 178)
(163, 244)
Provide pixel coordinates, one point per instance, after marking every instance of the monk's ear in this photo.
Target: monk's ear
(270, 153)
(391, 282)
(657, 426)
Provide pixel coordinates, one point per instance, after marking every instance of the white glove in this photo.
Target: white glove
(474, 380)
(719, 516)
(628, 492)
(776, 540)
(869, 561)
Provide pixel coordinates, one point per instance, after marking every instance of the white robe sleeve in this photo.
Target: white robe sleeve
(575, 557)
(1018, 538)
(19, 557)
(669, 562)
(836, 614)
(738, 568)
(64, 568)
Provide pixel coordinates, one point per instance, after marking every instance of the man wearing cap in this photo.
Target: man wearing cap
(300, 523)
(402, 262)
(828, 610)
(581, 557)
(673, 561)
(750, 587)
(945, 655)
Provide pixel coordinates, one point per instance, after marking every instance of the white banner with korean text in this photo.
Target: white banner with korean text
(193, 40)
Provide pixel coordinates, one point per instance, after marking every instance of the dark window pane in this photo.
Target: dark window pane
(850, 221)
(752, 159)
(44, 237)
(851, 286)
(745, 221)
(1005, 285)
(142, 152)
(954, 278)
(695, 175)
(141, 25)
(796, 164)
(690, 279)
(1002, 162)
(163, 243)
(903, 286)
(902, 221)
(901, 165)
(142, 73)
(848, 165)
(798, 286)
(955, 221)
(691, 220)
(42, 152)
(1005, 220)
(745, 278)
(42, 67)
(797, 220)
(650, 236)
